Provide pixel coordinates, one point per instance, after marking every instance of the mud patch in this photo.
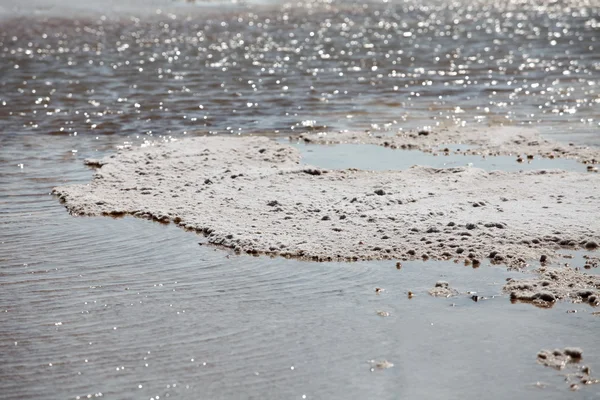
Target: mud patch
(442, 289)
(559, 359)
(252, 195)
(568, 358)
(553, 284)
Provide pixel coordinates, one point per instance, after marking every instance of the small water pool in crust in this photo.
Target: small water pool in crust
(377, 158)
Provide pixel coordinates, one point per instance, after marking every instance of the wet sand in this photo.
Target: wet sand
(554, 284)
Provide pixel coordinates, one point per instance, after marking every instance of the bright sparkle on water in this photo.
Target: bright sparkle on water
(305, 66)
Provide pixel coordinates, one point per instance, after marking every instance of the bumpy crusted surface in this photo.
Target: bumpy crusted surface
(252, 195)
(560, 358)
(569, 358)
(552, 284)
(442, 289)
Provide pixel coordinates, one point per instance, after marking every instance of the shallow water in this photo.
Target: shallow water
(67, 283)
(378, 158)
(106, 306)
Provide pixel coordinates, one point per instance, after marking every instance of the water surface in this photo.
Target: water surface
(288, 67)
(378, 158)
(132, 308)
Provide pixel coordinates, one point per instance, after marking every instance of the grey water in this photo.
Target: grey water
(377, 158)
(107, 67)
(98, 307)
(128, 308)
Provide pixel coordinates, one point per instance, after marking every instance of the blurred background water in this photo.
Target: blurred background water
(145, 68)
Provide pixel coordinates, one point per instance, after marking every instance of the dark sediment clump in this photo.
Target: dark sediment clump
(313, 171)
(568, 359)
(442, 289)
(560, 358)
(553, 284)
(591, 262)
(93, 162)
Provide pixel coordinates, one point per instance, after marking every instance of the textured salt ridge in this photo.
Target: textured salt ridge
(250, 194)
(494, 141)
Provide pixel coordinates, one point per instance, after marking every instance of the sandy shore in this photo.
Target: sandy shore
(251, 194)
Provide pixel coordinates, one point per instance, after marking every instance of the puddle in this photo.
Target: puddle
(378, 158)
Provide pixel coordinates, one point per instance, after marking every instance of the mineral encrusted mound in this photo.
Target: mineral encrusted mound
(251, 194)
(569, 358)
(442, 289)
(552, 284)
(560, 358)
